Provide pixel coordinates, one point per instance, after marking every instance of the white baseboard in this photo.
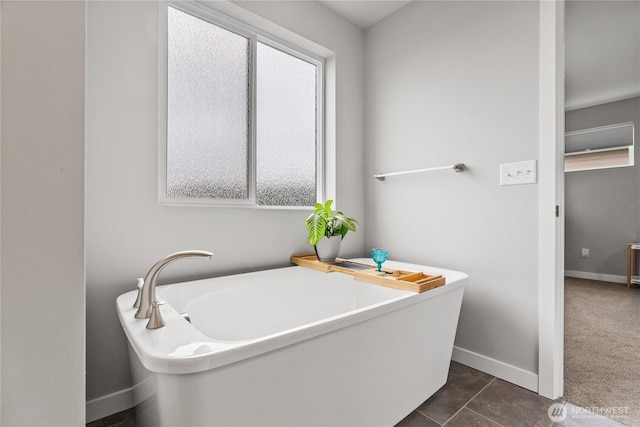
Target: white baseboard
(109, 404)
(498, 369)
(596, 276)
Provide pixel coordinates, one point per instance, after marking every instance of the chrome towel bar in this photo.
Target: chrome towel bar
(458, 167)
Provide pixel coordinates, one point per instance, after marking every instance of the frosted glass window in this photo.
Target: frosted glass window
(599, 138)
(286, 129)
(243, 114)
(207, 110)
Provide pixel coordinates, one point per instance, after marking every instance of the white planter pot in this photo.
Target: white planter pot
(328, 249)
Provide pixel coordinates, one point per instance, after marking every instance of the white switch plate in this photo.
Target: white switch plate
(518, 173)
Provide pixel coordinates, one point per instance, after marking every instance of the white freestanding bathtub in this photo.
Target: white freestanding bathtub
(291, 347)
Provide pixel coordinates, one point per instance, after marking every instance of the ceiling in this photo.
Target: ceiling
(602, 49)
(364, 13)
(602, 45)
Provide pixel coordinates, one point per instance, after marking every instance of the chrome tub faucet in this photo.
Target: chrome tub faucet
(148, 302)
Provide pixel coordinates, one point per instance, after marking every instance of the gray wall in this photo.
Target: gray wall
(126, 229)
(452, 82)
(603, 206)
(42, 213)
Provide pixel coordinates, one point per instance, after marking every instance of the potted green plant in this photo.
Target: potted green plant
(324, 222)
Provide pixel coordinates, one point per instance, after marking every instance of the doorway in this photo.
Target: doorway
(602, 41)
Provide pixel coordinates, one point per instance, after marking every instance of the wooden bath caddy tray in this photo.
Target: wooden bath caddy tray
(397, 279)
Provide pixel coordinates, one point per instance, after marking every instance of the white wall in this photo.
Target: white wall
(126, 229)
(42, 213)
(452, 82)
(0, 210)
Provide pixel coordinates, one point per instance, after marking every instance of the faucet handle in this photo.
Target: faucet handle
(155, 320)
(139, 297)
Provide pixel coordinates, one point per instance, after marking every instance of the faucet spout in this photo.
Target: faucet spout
(149, 287)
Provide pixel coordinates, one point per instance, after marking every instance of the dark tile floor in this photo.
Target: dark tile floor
(121, 419)
(469, 399)
(473, 398)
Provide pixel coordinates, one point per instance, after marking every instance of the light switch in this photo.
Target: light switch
(518, 173)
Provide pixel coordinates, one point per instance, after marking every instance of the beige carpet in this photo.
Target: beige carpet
(602, 348)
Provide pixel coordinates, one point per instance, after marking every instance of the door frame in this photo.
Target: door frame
(551, 201)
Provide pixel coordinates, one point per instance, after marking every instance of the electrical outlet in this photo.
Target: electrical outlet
(518, 173)
(585, 253)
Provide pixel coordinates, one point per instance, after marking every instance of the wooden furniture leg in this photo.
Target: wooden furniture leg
(629, 265)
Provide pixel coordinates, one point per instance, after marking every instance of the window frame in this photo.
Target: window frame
(255, 35)
(596, 158)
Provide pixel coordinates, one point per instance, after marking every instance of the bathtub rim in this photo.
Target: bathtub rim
(158, 353)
